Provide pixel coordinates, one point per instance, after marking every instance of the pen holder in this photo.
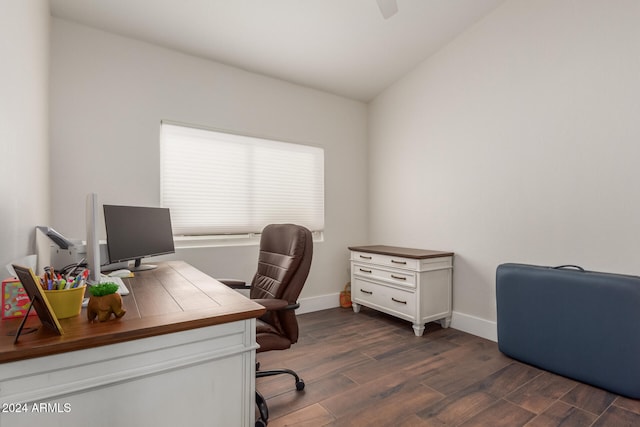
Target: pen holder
(66, 302)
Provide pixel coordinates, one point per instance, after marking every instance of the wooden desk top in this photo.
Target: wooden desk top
(172, 298)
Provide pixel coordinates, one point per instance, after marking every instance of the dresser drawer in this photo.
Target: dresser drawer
(397, 277)
(384, 298)
(384, 260)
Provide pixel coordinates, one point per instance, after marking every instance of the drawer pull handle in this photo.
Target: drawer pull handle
(364, 271)
(399, 262)
(365, 257)
(397, 300)
(398, 277)
(366, 292)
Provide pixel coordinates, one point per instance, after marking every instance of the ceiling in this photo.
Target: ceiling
(344, 47)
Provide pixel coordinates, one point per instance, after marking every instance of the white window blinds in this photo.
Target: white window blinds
(220, 183)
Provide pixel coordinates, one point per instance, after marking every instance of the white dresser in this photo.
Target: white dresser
(412, 284)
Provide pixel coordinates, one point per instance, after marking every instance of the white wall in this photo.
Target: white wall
(24, 167)
(108, 96)
(518, 142)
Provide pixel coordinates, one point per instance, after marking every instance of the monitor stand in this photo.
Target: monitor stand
(138, 266)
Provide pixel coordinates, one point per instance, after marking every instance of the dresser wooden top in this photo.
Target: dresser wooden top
(172, 298)
(401, 252)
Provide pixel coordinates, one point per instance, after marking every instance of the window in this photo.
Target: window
(221, 183)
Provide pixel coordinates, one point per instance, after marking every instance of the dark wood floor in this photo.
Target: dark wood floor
(369, 369)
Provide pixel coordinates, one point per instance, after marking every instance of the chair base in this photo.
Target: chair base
(272, 372)
(261, 403)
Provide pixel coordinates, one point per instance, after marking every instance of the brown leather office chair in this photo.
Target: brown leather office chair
(283, 266)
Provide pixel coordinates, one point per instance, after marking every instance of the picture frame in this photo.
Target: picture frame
(39, 302)
(15, 301)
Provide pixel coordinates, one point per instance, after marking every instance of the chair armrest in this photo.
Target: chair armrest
(275, 304)
(234, 284)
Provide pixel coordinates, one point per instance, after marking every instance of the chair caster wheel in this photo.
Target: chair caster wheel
(260, 423)
(300, 385)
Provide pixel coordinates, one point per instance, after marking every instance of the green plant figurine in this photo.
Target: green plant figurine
(103, 289)
(104, 301)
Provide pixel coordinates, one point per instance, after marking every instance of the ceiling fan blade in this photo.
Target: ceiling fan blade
(388, 8)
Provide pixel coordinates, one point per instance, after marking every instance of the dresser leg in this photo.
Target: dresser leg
(356, 307)
(445, 322)
(418, 329)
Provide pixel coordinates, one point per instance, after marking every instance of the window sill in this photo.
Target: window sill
(251, 239)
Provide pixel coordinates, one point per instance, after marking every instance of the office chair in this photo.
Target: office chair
(283, 266)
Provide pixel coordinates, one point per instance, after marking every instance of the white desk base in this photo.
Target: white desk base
(198, 377)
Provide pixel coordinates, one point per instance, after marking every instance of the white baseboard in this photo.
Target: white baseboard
(475, 325)
(463, 322)
(322, 302)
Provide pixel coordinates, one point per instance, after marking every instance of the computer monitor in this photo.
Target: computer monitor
(136, 232)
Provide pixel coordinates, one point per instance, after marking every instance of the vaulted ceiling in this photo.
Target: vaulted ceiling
(345, 47)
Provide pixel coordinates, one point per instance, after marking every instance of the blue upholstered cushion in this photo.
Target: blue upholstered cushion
(580, 324)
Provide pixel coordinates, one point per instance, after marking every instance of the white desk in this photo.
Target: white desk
(184, 354)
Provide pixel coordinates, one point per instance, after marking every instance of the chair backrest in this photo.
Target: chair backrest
(284, 261)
